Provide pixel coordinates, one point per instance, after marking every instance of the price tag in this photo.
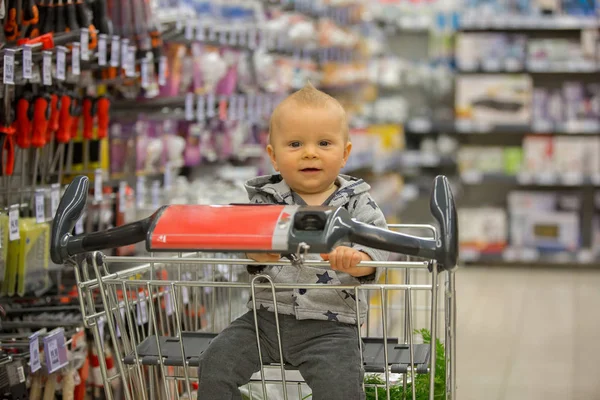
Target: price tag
(61, 63)
(144, 72)
(210, 105)
(79, 225)
(75, 59)
(115, 47)
(47, 68)
(155, 194)
(101, 323)
(200, 35)
(85, 44)
(200, 104)
(142, 310)
(13, 223)
(168, 176)
(162, 71)
(252, 38)
(241, 108)
(185, 291)
(189, 106)
(189, 30)
(130, 69)
(55, 350)
(54, 198)
(34, 352)
(140, 191)
(122, 196)
(232, 109)
(40, 209)
(9, 67)
(98, 185)
(124, 51)
(168, 302)
(27, 62)
(102, 49)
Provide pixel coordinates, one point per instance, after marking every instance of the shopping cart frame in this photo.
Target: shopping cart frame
(104, 278)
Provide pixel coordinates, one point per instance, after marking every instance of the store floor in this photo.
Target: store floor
(528, 334)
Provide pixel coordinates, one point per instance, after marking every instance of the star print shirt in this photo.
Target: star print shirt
(328, 304)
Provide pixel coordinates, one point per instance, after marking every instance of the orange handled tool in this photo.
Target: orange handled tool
(63, 134)
(24, 122)
(103, 113)
(53, 123)
(89, 116)
(29, 14)
(11, 20)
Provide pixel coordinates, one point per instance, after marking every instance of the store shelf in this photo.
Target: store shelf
(503, 69)
(527, 179)
(478, 22)
(398, 160)
(530, 257)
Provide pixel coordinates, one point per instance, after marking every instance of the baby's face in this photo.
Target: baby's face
(309, 147)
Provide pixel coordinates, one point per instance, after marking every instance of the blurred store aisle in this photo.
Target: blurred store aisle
(528, 334)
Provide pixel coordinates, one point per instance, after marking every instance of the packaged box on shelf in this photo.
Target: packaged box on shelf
(538, 155)
(493, 100)
(489, 160)
(547, 222)
(490, 51)
(483, 230)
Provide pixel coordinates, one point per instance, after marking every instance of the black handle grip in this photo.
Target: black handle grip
(60, 24)
(49, 18)
(82, 13)
(69, 210)
(384, 239)
(64, 245)
(443, 209)
(71, 17)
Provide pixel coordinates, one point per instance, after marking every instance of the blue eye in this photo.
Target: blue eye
(295, 144)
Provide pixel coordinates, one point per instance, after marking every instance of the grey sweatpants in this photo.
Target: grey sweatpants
(325, 352)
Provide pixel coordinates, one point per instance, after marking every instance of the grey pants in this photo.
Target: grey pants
(326, 353)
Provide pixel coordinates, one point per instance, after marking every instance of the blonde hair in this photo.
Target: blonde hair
(308, 96)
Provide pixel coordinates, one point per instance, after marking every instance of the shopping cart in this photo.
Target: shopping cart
(162, 312)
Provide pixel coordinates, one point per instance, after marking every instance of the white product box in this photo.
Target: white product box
(538, 155)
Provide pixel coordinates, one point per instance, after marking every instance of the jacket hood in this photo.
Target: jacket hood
(275, 186)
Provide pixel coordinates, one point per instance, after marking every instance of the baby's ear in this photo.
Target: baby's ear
(347, 151)
(271, 153)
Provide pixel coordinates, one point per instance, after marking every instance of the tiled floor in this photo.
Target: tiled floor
(528, 333)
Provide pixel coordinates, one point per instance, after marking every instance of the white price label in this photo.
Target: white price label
(200, 35)
(98, 185)
(79, 228)
(189, 106)
(241, 112)
(232, 108)
(200, 108)
(47, 68)
(144, 72)
(210, 105)
(34, 352)
(102, 49)
(130, 70)
(162, 71)
(142, 310)
(185, 291)
(21, 374)
(75, 59)
(85, 44)
(115, 46)
(155, 194)
(54, 198)
(61, 63)
(40, 208)
(140, 191)
(54, 359)
(9, 67)
(168, 176)
(168, 302)
(13, 223)
(189, 30)
(101, 323)
(124, 51)
(27, 62)
(122, 196)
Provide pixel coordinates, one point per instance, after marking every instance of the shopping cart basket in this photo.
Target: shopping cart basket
(162, 312)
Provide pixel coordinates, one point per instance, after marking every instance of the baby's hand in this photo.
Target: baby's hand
(264, 257)
(344, 258)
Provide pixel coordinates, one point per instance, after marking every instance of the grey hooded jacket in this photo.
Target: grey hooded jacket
(334, 305)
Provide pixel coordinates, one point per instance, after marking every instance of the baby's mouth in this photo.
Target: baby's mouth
(310, 169)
